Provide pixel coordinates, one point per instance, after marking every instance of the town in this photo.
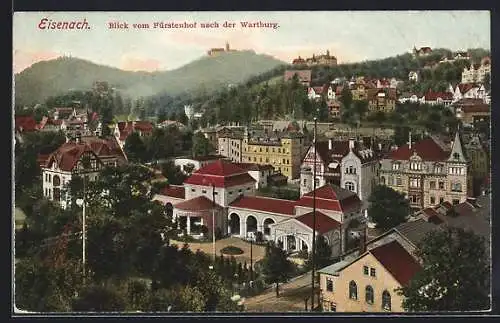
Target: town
(316, 186)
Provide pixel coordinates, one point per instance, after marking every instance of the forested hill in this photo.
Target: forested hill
(58, 76)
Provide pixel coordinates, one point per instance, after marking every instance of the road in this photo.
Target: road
(292, 295)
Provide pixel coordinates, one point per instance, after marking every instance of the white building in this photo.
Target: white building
(260, 173)
(413, 76)
(84, 156)
(230, 143)
(477, 73)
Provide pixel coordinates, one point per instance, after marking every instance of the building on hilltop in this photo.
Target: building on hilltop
(422, 51)
(304, 76)
(214, 52)
(428, 172)
(322, 59)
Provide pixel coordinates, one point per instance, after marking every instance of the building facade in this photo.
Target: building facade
(230, 144)
(383, 100)
(428, 172)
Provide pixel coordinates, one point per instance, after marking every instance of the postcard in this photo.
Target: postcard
(251, 162)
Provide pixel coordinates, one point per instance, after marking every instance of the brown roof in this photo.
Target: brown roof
(483, 108)
(427, 149)
(397, 261)
(176, 191)
(200, 203)
(324, 223)
(25, 123)
(303, 75)
(265, 204)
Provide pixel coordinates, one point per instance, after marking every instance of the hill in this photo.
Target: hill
(58, 76)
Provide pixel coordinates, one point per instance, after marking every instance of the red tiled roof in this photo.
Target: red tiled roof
(176, 191)
(324, 223)
(200, 203)
(42, 159)
(143, 126)
(25, 123)
(318, 89)
(265, 204)
(469, 101)
(427, 149)
(397, 261)
(330, 197)
(221, 174)
(433, 96)
(465, 87)
(339, 90)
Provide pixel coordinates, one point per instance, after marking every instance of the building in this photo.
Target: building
(84, 156)
(214, 52)
(124, 129)
(281, 149)
(422, 51)
(472, 111)
(468, 91)
(413, 76)
(189, 165)
(370, 282)
(438, 98)
(230, 143)
(304, 76)
(381, 100)
(428, 172)
(298, 61)
(477, 72)
(480, 163)
(171, 123)
(260, 173)
(344, 163)
(25, 124)
(360, 88)
(240, 213)
(322, 59)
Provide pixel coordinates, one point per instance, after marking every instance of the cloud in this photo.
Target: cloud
(130, 63)
(24, 59)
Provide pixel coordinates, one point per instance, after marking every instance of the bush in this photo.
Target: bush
(303, 254)
(259, 237)
(231, 250)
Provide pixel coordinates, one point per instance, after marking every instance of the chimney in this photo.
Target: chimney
(330, 144)
(351, 143)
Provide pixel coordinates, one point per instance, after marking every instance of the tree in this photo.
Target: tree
(135, 148)
(388, 208)
(178, 299)
(96, 298)
(138, 295)
(323, 253)
(201, 145)
(454, 276)
(173, 173)
(346, 98)
(275, 266)
(162, 116)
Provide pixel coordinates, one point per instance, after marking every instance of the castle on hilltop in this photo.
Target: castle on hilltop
(216, 51)
(322, 59)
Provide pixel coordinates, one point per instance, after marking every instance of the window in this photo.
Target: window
(333, 307)
(438, 169)
(267, 149)
(433, 200)
(288, 161)
(456, 155)
(415, 182)
(329, 285)
(382, 180)
(369, 294)
(372, 272)
(305, 181)
(216, 193)
(456, 187)
(395, 166)
(255, 159)
(316, 182)
(350, 170)
(391, 180)
(353, 290)
(386, 301)
(260, 149)
(414, 199)
(432, 185)
(279, 150)
(454, 201)
(415, 166)
(365, 270)
(204, 191)
(350, 186)
(441, 200)
(193, 190)
(248, 188)
(267, 160)
(230, 193)
(284, 161)
(399, 182)
(239, 191)
(441, 185)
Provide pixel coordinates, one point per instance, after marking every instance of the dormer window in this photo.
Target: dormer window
(456, 155)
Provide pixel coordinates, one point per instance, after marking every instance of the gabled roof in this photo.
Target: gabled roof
(221, 174)
(415, 231)
(397, 261)
(265, 204)
(200, 203)
(427, 149)
(324, 223)
(330, 197)
(433, 96)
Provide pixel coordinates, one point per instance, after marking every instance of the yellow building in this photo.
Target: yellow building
(368, 283)
(284, 151)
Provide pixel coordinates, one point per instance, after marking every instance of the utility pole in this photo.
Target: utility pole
(314, 216)
(213, 220)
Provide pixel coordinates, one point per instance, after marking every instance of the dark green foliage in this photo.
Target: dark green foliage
(323, 254)
(275, 266)
(455, 273)
(99, 299)
(231, 250)
(388, 208)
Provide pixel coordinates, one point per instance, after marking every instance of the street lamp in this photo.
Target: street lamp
(314, 217)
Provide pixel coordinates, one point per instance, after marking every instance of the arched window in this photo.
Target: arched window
(353, 290)
(386, 301)
(350, 186)
(369, 294)
(56, 181)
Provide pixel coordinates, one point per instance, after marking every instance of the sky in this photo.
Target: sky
(351, 36)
